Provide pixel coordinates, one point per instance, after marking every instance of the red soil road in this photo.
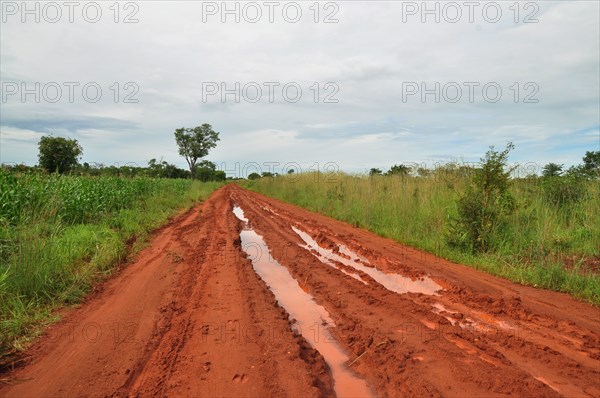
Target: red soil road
(191, 318)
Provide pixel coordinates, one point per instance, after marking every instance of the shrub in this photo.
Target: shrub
(552, 170)
(483, 208)
(563, 191)
(254, 176)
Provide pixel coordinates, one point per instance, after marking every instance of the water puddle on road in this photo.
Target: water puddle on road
(393, 282)
(353, 256)
(325, 260)
(239, 213)
(311, 319)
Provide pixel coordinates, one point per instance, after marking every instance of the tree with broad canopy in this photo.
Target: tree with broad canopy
(194, 143)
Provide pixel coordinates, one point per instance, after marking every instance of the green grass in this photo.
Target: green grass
(61, 234)
(531, 249)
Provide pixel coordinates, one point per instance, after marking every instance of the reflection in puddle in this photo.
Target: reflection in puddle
(239, 213)
(353, 275)
(394, 282)
(311, 319)
(328, 261)
(353, 256)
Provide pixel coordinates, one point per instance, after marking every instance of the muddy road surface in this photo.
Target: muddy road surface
(246, 296)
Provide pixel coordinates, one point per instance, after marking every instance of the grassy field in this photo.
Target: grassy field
(543, 244)
(60, 234)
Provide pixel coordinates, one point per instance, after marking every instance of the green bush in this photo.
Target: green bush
(563, 191)
(483, 208)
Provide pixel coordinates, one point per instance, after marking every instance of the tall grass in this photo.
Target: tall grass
(543, 244)
(59, 234)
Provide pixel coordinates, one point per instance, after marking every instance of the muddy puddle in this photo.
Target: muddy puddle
(311, 320)
(239, 213)
(393, 282)
(485, 323)
(325, 259)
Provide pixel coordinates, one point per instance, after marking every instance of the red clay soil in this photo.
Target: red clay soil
(190, 317)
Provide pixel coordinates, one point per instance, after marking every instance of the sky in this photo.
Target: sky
(341, 85)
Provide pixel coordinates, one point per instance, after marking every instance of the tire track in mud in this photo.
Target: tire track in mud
(191, 317)
(224, 338)
(481, 336)
(205, 325)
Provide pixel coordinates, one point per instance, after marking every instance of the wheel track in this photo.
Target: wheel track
(174, 288)
(194, 283)
(518, 357)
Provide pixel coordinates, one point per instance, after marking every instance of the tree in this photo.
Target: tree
(399, 169)
(205, 170)
(589, 169)
(208, 164)
(552, 170)
(219, 175)
(165, 170)
(58, 154)
(374, 172)
(195, 143)
(254, 176)
(591, 163)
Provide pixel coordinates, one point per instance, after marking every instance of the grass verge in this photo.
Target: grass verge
(546, 246)
(59, 235)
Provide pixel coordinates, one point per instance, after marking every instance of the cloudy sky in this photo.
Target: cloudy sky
(346, 84)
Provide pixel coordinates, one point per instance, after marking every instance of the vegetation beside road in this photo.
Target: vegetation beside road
(63, 224)
(537, 230)
(59, 234)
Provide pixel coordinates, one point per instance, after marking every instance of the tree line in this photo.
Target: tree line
(590, 168)
(62, 155)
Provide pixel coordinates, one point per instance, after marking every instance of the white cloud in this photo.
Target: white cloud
(8, 133)
(369, 54)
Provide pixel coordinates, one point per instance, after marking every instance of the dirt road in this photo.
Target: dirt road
(273, 300)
